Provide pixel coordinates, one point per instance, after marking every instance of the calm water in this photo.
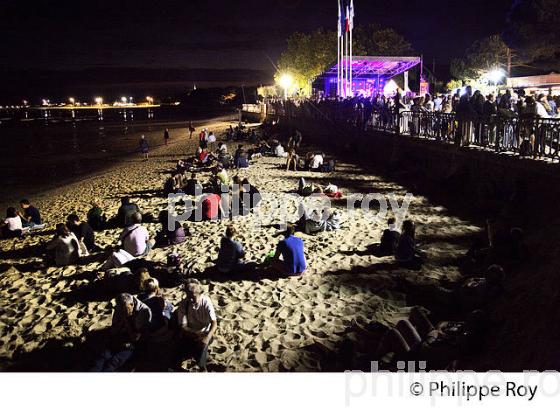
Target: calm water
(40, 152)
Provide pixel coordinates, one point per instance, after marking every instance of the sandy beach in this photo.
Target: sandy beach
(295, 324)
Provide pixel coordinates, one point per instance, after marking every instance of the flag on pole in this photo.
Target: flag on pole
(339, 18)
(347, 21)
(351, 15)
(342, 22)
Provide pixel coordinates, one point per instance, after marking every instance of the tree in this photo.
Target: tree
(485, 55)
(308, 55)
(373, 40)
(533, 29)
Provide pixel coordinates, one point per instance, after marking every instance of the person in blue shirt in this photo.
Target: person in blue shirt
(230, 257)
(291, 250)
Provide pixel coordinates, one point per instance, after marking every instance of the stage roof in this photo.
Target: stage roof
(377, 66)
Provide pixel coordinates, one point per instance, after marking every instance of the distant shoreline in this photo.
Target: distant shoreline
(11, 194)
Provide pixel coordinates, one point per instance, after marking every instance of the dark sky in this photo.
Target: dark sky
(127, 43)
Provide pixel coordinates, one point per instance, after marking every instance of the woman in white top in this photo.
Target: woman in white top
(12, 226)
(197, 321)
(66, 247)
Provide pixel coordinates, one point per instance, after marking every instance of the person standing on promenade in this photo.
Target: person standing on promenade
(166, 135)
(144, 147)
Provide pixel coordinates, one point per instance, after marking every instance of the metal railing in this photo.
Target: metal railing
(526, 136)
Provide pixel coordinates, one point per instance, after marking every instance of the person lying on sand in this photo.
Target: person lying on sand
(291, 250)
(131, 320)
(465, 295)
(417, 338)
(197, 323)
(66, 248)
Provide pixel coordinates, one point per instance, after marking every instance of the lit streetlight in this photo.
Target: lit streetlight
(72, 100)
(286, 81)
(495, 76)
(98, 100)
(150, 100)
(124, 100)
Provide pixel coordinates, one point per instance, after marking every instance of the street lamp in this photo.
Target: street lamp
(123, 100)
(150, 100)
(72, 100)
(495, 75)
(98, 100)
(286, 81)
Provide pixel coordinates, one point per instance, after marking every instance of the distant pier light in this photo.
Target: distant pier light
(98, 101)
(72, 100)
(150, 100)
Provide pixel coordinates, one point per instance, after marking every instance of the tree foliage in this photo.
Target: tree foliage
(533, 29)
(374, 40)
(308, 55)
(483, 56)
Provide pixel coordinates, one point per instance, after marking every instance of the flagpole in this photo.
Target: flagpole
(338, 53)
(351, 74)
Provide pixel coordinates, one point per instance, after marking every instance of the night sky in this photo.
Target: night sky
(115, 46)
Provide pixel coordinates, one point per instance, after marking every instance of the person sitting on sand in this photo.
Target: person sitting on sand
(167, 237)
(253, 193)
(279, 151)
(389, 239)
(211, 207)
(125, 212)
(291, 250)
(324, 220)
(135, 239)
(66, 247)
(192, 187)
(292, 159)
(197, 322)
(240, 159)
(406, 253)
(204, 157)
(316, 162)
(231, 254)
(31, 217)
(12, 227)
(83, 231)
(161, 309)
(95, 218)
(211, 140)
(131, 320)
(144, 147)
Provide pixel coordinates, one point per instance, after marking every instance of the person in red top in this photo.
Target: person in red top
(211, 206)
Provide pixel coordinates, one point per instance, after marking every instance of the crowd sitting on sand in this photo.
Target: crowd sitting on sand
(142, 315)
